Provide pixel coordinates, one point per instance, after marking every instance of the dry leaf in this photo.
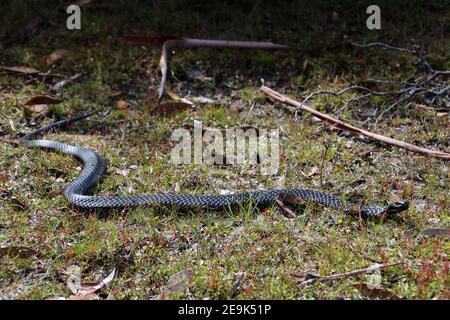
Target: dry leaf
(122, 105)
(176, 283)
(314, 170)
(169, 108)
(75, 285)
(57, 55)
(21, 70)
(394, 197)
(42, 99)
(19, 251)
(38, 108)
(73, 281)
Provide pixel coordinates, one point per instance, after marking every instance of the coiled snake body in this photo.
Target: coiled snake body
(95, 167)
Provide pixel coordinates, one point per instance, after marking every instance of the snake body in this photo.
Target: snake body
(77, 192)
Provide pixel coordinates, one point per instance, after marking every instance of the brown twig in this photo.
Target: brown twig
(346, 127)
(310, 278)
(202, 43)
(286, 209)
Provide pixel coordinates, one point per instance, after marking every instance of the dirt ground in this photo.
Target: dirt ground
(248, 253)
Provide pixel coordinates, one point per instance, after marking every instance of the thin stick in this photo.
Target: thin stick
(313, 278)
(382, 45)
(346, 127)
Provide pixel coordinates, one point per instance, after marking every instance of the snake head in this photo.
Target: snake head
(396, 207)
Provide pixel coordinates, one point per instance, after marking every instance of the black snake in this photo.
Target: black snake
(95, 167)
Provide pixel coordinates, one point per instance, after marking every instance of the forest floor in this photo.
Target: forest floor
(249, 253)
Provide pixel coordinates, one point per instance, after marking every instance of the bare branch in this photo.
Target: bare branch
(382, 45)
(310, 278)
(346, 127)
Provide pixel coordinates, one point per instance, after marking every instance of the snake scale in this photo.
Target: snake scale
(77, 192)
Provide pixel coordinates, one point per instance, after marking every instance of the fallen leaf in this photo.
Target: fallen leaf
(169, 108)
(21, 70)
(57, 55)
(78, 288)
(73, 281)
(176, 283)
(38, 108)
(394, 197)
(437, 233)
(375, 292)
(122, 105)
(42, 99)
(314, 170)
(19, 251)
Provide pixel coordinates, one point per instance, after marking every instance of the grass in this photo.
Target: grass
(148, 245)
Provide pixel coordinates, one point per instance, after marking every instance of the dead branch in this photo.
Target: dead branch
(310, 278)
(202, 43)
(382, 45)
(426, 85)
(346, 127)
